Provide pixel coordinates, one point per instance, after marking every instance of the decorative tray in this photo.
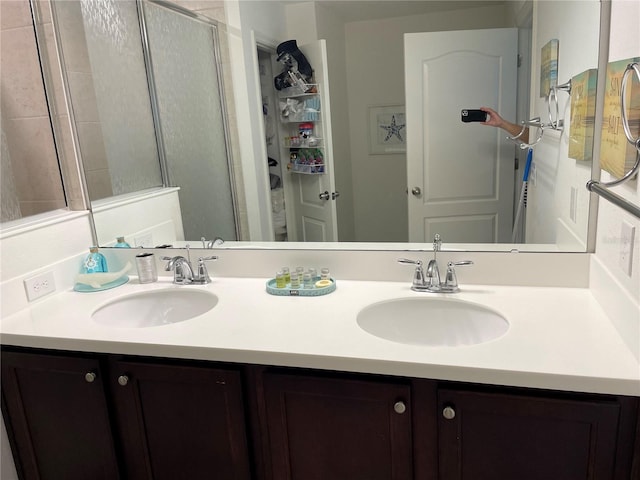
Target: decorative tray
(84, 288)
(300, 292)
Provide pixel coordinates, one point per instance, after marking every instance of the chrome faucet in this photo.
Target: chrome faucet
(183, 273)
(211, 243)
(430, 281)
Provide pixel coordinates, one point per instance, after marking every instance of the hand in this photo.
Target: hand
(493, 118)
(512, 129)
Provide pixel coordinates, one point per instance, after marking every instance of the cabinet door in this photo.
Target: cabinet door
(56, 411)
(496, 436)
(178, 421)
(323, 428)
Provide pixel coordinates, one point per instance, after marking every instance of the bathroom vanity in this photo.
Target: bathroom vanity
(292, 387)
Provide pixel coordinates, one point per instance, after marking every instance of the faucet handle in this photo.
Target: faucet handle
(418, 275)
(451, 279)
(202, 275)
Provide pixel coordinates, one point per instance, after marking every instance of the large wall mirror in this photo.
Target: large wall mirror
(152, 101)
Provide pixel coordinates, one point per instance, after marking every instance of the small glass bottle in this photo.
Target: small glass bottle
(287, 274)
(307, 282)
(324, 274)
(120, 243)
(94, 262)
(299, 273)
(313, 272)
(280, 280)
(295, 282)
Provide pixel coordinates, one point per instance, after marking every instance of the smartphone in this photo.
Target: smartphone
(469, 115)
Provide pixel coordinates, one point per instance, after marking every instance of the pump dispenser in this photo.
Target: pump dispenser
(94, 262)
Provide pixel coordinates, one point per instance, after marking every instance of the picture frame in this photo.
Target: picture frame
(583, 115)
(549, 66)
(617, 155)
(387, 129)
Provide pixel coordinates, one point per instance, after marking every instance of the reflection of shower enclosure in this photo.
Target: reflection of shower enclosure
(30, 174)
(149, 117)
(187, 84)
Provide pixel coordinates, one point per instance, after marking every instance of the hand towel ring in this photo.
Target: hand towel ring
(623, 97)
(556, 123)
(534, 122)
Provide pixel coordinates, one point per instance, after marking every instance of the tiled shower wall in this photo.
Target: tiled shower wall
(28, 152)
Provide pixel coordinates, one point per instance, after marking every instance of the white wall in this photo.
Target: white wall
(375, 66)
(617, 291)
(555, 173)
(624, 44)
(144, 219)
(248, 22)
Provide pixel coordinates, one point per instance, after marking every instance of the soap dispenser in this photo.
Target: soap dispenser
(120, 243)
(94, 262)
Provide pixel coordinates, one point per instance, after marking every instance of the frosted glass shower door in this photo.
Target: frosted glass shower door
(190, 106)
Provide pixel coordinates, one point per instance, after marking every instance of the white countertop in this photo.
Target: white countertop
(559, 338)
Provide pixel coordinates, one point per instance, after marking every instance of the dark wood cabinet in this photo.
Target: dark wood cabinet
(56, 410)
(74, 417)
(179, 421)
(338, 428)
(86, 416)
(489, 435)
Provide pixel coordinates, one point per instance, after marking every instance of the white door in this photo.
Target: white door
(310, 199)
(460, 175)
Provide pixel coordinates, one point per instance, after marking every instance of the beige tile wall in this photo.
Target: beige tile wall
(25, 114)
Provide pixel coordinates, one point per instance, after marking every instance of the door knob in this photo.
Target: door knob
(324, 195)
(416, 191)
(335, 195)
(399, 407)
(123, 380)
(449, 413)
(90, 377)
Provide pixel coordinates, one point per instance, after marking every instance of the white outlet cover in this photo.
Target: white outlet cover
(143, 240)
(39, 285)
(627, 236)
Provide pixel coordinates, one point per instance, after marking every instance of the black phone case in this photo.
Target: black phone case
(468, 115)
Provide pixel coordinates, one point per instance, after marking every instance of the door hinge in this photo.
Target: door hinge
(519, 60)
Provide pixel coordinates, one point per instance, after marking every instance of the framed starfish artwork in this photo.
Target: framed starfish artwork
(387, 130)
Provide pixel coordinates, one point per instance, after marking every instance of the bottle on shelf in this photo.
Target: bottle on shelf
(121, 243)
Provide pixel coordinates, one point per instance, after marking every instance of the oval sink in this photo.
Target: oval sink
(154, 308)
(432, 322)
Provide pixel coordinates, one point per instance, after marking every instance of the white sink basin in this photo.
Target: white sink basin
(432, 322)
(155, 308)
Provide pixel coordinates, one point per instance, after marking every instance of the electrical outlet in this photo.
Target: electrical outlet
(626, 247)
(39, 286)
(143, 240)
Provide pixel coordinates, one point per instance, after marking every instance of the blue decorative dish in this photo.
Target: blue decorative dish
(300, 292)
(84, 288)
